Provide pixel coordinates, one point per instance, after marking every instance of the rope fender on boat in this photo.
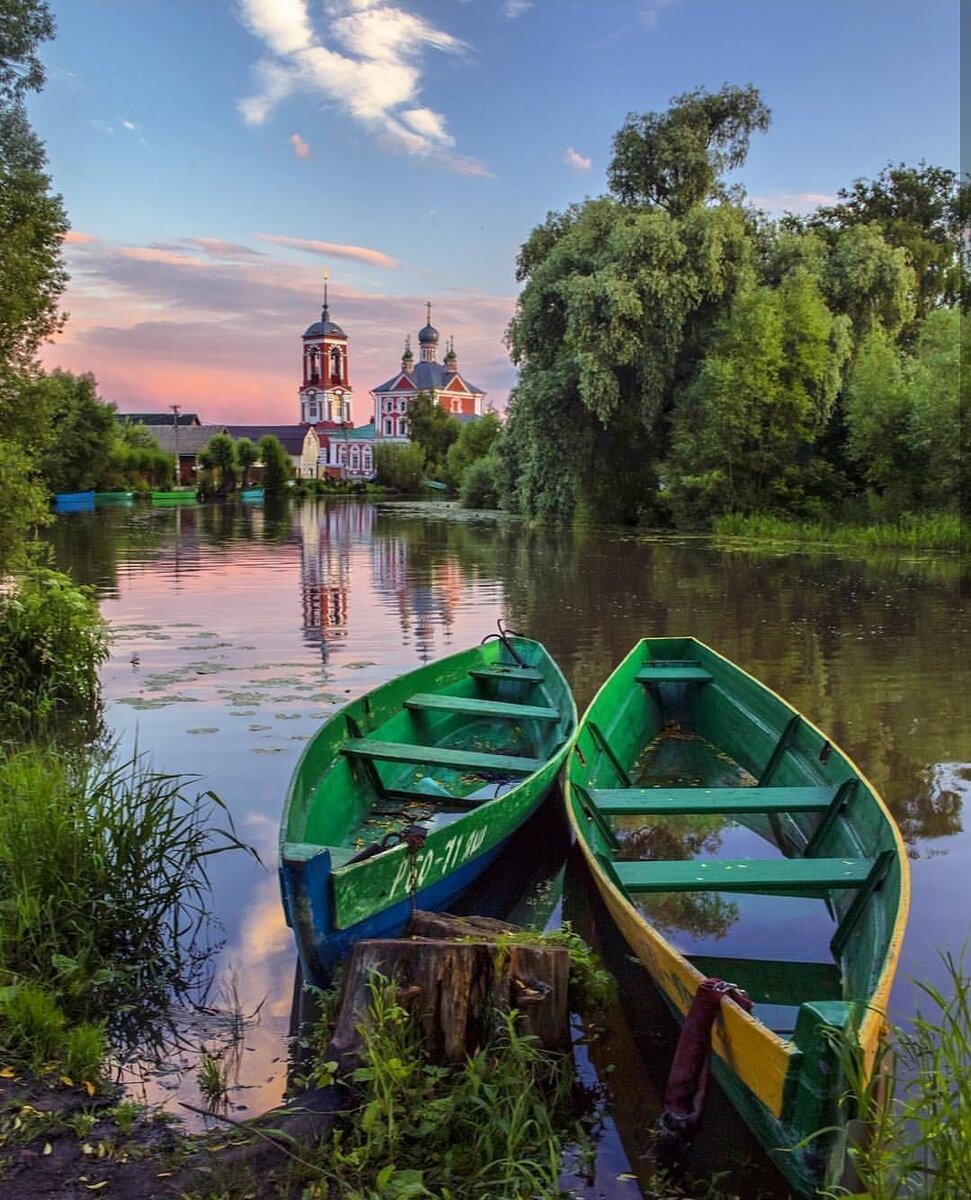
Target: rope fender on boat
(687, 1086)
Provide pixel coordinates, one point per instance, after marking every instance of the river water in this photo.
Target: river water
(237, 629)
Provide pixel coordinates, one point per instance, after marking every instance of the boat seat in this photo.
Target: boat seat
(664, 801)
(687, 672)
(773, 875)
(773, 981)
(481, 708)
(508, 671)
(440, 756)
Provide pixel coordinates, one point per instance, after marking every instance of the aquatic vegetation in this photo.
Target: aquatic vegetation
(913, 1136)
(924, 531)
(103, 894)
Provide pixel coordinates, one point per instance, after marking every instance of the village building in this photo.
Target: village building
(442, 381)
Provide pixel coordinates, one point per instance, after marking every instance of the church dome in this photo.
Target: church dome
(325, 326)
(428, 334)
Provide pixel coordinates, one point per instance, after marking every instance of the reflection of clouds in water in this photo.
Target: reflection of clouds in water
(261, 961)
(261, 833)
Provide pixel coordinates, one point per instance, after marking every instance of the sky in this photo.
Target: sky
(216, 156)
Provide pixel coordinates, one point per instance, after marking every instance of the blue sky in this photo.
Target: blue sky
(215, 155)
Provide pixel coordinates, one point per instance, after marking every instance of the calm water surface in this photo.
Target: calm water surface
(238, 629)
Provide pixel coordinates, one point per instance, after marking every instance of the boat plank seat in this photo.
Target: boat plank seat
(773, 981)
(481, 708)
(775, 875)
(674, 673)
(508, 671)
(440, 756)
(663, 801)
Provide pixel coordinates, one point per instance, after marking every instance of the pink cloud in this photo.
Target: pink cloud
(300, 147)
(74, 237)
(576, 161)
(222, 335)
(219, 249)
(376, 258)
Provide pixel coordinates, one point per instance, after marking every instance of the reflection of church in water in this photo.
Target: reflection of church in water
(425, 598)
(340, 550)
(329, 537)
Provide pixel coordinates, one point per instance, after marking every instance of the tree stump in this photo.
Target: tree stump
(454, 988)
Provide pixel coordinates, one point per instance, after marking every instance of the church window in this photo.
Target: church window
(355, 458)
(366, 458)
(387, 426)
(335, 362)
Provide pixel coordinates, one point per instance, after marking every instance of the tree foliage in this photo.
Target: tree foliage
(475, 440)
(83, 431)
(682, 355)
(32, 276)
(433, 429)
(277, 466)
(923, 211)
(675, 159)
(401, 467)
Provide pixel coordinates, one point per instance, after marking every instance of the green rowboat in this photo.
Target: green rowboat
(731, 840)
(183, 496)
(407, 795)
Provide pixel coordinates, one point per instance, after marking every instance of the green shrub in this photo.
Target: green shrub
(480, 484)
(52, 640)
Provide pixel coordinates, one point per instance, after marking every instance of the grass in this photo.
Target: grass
(103, 893)
(500, 1124)
(924, 531)
(917, 1104)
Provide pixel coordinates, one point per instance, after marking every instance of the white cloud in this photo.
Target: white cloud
(794, 202)
(129, 125)
(300, 147)
(651, 11)
(366, 58)
(515, 8)
(576, 161)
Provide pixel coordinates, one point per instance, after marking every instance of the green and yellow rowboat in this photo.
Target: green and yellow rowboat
(732, 841)
(407, 795)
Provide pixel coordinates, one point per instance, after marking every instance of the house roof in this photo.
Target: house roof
(290, 437)
(191, 439)
(427, 377)
(159, 418)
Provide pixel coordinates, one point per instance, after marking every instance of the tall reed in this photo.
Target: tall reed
(916, 1107)
(103, 881)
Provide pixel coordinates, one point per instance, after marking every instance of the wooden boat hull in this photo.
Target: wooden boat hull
(831, 847)
(426, 742)
(73, 501)
(252, 495)
(113, 499)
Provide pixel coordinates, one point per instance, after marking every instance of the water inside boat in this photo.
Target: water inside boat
(440, 788)
(747, 927)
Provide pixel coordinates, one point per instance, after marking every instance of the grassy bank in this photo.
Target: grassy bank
(930, 531)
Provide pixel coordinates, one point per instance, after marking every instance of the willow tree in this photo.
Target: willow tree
(618, 295)
(761, 398)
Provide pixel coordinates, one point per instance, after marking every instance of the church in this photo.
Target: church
(443, 382)
(326, 395)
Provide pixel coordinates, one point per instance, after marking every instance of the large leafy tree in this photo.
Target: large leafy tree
(277, 465)
(923, 211)
(762, 396)
(675, 159)
(433, 429)
(84, 431)
(32, 276)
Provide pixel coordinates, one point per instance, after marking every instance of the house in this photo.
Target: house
(301, 442)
